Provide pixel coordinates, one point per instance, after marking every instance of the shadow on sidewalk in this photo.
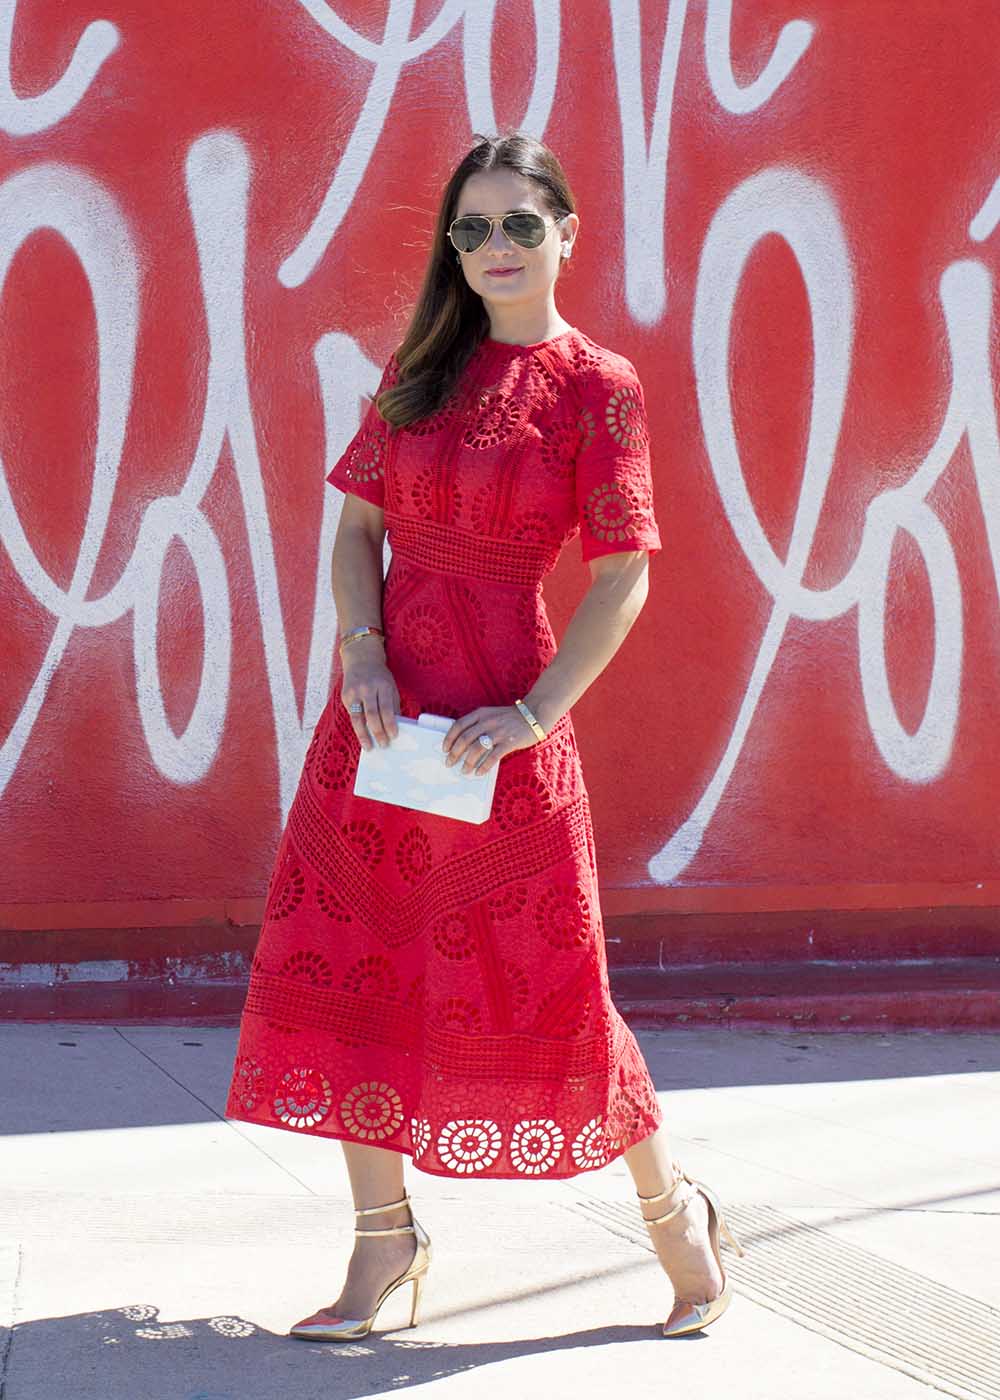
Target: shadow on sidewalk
(128, 1354)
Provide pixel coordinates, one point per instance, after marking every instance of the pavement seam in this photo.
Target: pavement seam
(9, 1339)
(219, 1117)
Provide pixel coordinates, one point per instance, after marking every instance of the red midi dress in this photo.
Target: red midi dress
(429, 985)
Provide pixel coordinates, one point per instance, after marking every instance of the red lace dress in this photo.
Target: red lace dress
(425, 984)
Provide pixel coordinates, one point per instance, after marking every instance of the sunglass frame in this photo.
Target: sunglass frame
(499, 219)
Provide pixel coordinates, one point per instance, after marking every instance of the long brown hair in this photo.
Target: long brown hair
(449, 319)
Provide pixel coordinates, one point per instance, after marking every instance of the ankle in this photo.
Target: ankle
(375, 1220)
(384, 1212)
(659, 1198)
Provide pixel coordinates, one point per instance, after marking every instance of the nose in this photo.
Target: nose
(498, 239)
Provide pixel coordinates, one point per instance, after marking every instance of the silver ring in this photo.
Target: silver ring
(486, 741)
(356, 708)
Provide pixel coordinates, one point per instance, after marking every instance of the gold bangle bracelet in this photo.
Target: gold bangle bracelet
(357, 632)
(539, 731)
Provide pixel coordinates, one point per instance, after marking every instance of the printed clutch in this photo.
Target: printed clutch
(411, 773)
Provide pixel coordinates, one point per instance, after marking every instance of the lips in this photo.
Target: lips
(502, 272)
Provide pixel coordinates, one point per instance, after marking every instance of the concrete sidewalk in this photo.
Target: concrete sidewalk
(152, 1250)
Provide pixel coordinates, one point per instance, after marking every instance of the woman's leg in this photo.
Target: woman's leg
(376, 1175)
(683, 1245)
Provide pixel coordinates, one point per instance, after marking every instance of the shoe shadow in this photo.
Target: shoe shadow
(129, 1354)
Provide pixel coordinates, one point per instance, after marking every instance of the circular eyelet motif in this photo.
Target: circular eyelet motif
(372, 1111)
(522, 801)
(586, 429)
(560, 444)
(422, 492)
(289, 895)
(305, 1099)
(496, 416)
(633, 1107)
(592, 1147)
(453, 938)
(459, 1014)
(247, 1090)
(420, 1135)
(371, 976)
(366, 840)
(467, 1145)
(413, 855)
(426, 633)
(330, 761)
(308, 966)
(562, 916)
(332, 905)
(624, 417)
(626, 1115)
(508, 902)
(534, 527)
(535, 1145)
(366, 461)
(609, 511)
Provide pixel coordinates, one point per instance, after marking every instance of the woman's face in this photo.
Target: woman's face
(501, 192)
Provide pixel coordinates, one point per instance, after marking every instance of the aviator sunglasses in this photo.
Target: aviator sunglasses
(470, 231)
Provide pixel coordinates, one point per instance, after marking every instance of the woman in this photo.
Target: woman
(431, 987)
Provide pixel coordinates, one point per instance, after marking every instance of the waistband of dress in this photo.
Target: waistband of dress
(446, 549)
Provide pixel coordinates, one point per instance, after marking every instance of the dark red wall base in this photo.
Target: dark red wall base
(942, 994)
(824, 970)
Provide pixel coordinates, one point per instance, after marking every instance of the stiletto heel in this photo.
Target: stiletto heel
(730, 1237)
(418, 1283)
(686, 1316)
(322, 1327)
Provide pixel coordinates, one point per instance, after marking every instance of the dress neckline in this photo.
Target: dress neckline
(514, 346)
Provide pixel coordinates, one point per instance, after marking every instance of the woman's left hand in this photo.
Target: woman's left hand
(505, 725)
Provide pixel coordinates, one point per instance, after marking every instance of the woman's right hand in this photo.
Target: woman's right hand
(368, 679)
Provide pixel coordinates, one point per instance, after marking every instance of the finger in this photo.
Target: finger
(387, 711)
(477, 754)
(490, 761)
(377, 721)
(374, 721)
(359, 723)
(461, 746)
(459, 727)
(361, 730)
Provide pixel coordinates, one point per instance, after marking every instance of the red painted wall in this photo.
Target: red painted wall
(212, 222)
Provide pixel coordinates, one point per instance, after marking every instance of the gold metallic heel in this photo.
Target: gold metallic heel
(322, 1327)
(691, 1317)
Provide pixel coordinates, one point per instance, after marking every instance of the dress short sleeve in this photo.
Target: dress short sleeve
(361, 467)
(614, 480)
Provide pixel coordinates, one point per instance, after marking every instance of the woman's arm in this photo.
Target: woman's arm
(357, 595)
(357, 568)
(601, 622)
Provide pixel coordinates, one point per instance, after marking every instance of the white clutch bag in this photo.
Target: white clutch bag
(411, 773)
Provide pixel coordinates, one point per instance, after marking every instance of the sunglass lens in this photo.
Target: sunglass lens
(527, 230)
(470, 233)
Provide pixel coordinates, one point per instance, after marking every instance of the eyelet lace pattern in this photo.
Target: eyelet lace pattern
(426, 985)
